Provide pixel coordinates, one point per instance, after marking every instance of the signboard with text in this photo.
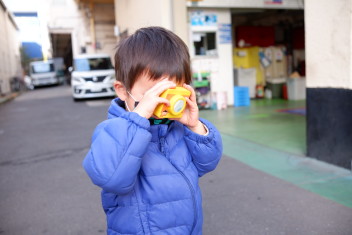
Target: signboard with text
(199, 18)
(225, 33)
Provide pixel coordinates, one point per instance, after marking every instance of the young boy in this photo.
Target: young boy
(148, 168)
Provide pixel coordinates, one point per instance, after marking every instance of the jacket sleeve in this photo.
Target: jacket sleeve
(206, 150)
(115, 156)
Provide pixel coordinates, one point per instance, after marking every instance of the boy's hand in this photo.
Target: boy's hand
(151, 98)
(190, 117)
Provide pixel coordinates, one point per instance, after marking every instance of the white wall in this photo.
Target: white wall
(328, 26)
(134, 14)
(225, 79)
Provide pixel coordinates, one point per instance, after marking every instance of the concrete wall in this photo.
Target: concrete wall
(180, 26)
(10, 65)
(329, 80)
(134, 14)
(104, 19)
(329, 43)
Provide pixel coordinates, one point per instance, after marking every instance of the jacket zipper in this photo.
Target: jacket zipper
(162, 150)
(162, 143)
(193, 198)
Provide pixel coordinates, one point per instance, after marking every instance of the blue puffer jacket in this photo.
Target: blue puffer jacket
(149, 173)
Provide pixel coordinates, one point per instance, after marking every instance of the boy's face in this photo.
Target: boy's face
(141, 85)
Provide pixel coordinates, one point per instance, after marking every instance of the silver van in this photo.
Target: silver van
(43, 73)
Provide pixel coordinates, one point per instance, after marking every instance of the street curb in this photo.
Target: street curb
(8, 97)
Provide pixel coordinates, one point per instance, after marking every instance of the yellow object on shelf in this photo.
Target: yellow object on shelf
(177, 99)
(249, 58)
(243, 58)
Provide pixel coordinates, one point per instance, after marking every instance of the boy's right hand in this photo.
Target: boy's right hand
(151, 98)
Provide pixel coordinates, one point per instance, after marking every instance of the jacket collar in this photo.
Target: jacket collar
(117, 108)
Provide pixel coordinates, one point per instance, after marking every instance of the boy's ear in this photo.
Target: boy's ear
(120, 90)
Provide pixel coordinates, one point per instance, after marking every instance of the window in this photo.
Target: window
(204, 43)
(89, 64)
(42, 68)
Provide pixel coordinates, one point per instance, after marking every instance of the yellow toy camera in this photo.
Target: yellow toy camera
(176, 96)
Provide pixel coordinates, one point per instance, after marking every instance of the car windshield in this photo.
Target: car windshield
(42, 68)
(85, 64)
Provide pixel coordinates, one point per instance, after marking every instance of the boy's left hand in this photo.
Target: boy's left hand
(190, 117)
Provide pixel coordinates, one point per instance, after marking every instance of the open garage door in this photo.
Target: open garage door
(62, 48)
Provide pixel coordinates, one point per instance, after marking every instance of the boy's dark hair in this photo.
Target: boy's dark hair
(155, 51)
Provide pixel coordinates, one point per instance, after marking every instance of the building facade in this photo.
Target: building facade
(66, 28)
(10, 62)
(265, 43)
(197, 23)
(88, 26)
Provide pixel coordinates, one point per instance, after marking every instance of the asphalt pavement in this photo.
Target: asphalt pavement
(44, 136)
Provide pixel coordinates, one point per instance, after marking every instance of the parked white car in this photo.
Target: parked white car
(92, 76)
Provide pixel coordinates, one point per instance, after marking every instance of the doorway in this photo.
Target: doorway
(62, 48)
